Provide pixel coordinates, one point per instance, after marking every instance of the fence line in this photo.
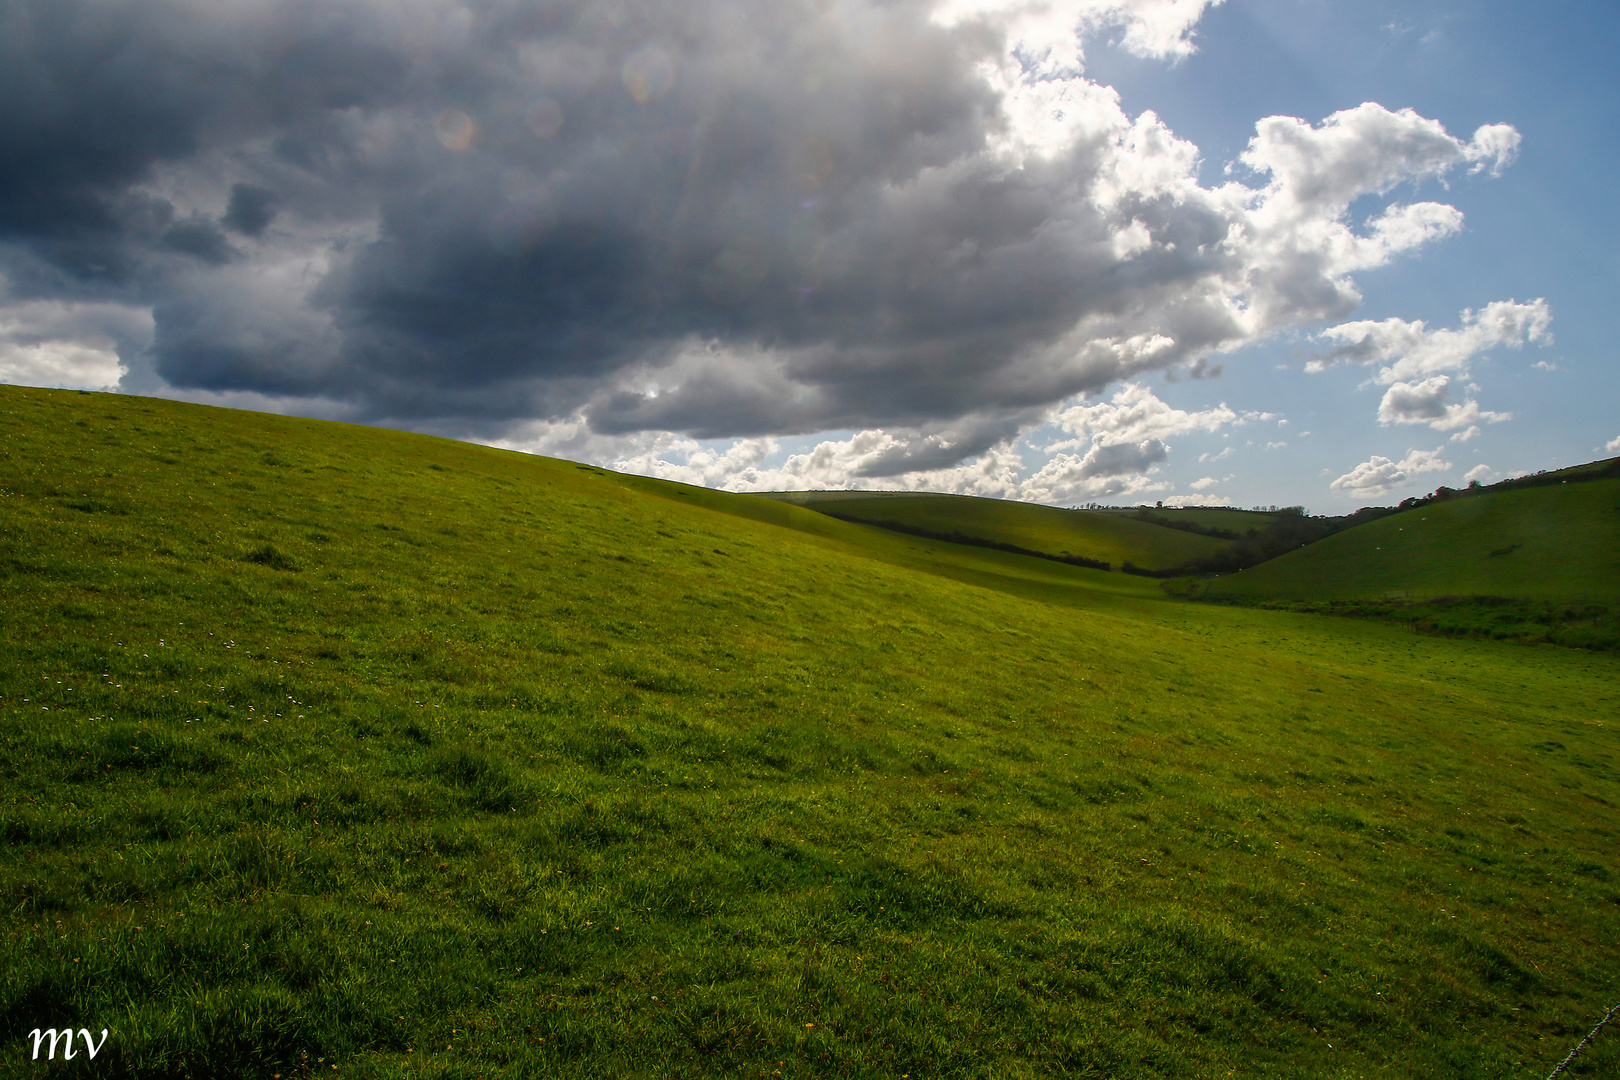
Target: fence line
(1584, 1043)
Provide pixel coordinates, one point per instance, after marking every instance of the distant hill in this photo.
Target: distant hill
(1532, 558)
(1557, 542)
(1101, 538)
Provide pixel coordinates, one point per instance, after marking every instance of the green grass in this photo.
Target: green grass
(1002, 571)
(1214, 517)
(1578, 626)
(347, 746)
(1105, 536)
(1559, 544)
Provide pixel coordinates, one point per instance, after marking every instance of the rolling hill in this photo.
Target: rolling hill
(1555, 543)
(1109, 538)
(338, 749)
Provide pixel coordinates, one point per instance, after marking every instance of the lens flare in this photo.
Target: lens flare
(455, 129)
(649, 74)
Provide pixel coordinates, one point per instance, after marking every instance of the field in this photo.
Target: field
(339, 750)
(1108, 537)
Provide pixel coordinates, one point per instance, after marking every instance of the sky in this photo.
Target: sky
(1251, 252)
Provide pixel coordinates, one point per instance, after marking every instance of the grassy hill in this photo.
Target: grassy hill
(333, 749)
(1537, 562)
(1238, 522)
(1110, 537)
(1559, 544)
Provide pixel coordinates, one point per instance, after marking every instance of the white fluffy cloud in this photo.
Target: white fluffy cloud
(61, 364)
(1417, 363)
(737, 468)
(741, 464)
(1115, 448)
(1136, 414)
(832, 464)
(1409, 350)
(1198, 500)
(1068, 479)
(1426, 403)
(1123, 440)
(1296, 235)
(1044, 30)
(1105, 470)
(1613, 446)
(69, 345)
(1378, 474)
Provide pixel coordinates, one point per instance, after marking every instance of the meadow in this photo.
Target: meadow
(338, 750)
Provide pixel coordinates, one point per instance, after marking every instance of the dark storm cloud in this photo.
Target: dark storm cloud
(97, 94)
(1122, 459)
(719, 218)
(251, 209)
(200, 239)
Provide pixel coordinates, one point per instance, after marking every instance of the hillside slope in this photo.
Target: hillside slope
(1558, 543)
(332, 746)
(1105, 537)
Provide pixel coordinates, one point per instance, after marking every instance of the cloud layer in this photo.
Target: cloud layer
(708, 220)
(1418, 365)
(1426, 403)
(1378, 475)
(1109, 450)
(1409, 350)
